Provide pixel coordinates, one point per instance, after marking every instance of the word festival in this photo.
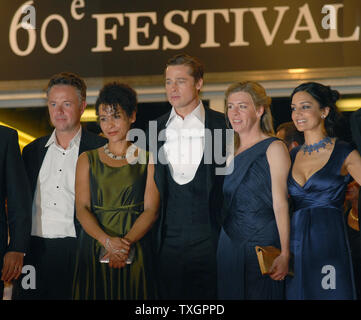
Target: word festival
(172, 30)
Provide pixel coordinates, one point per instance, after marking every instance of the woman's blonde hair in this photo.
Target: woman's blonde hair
(260, 99)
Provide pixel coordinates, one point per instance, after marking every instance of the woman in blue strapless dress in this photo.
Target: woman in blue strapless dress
(255, 200)
(320, 172)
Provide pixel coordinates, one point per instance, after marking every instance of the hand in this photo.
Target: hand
(118, 250)
(116, 245)
(13, 264)
(279, 268)
(116, 262)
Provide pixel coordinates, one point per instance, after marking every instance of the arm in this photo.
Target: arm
(145, 220)
(150, 214)
(352, 165)
(82, 201)
(90, 223)
(19, 209)
(279, 162)
(87, 218)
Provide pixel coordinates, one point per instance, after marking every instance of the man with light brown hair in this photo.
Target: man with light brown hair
(191, 192)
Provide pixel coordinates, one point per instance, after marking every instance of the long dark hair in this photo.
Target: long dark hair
(326, 97)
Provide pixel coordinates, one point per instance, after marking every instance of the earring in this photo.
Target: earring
(323, 116)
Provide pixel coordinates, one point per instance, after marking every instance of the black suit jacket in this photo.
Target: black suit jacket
(214, 183)
(355, 123)
(15, 188)
(34, 153)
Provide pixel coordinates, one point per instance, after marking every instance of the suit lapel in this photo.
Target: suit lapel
(208, 124)
(38, 161)
(84, 142)
(160, 172)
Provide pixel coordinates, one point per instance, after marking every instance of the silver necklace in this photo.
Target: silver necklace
(111, 155)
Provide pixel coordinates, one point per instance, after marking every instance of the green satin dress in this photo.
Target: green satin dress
(117, 195)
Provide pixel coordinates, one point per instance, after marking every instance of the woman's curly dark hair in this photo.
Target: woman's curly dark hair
(116, 94)
(326, 97)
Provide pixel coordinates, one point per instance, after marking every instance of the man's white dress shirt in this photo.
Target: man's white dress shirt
(53, 203)
(184, 144)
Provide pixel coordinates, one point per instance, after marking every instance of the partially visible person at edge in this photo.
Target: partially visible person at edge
(355, 124)
(321, 169)
(50, 163)
(117, 203)
(16, 220)
(353, 230)
(190, 191)
(255, 196)
(288, 132)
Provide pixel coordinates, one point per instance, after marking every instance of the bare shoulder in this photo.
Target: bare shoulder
(277, 147)
(277, 154)
(83, 159)
(352, 158)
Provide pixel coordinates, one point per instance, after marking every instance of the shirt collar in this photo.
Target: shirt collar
(198, 112)
(74, 142)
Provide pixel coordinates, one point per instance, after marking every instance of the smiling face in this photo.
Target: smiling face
(182, 90)
(65, 108)
(306, 112)
(242, 112)
(115, 123)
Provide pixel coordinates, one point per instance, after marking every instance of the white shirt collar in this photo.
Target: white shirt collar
(198, 112)
(74, 142)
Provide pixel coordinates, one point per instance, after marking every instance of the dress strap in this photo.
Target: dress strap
(240, 165)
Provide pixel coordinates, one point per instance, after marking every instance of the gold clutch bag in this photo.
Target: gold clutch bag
(266, 256)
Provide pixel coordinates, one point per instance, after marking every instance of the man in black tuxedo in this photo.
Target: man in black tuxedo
(50, 163)
(355, 241)
(16, 223)
(191, 192)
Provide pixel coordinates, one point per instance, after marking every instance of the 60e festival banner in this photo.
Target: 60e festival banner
(119, 38)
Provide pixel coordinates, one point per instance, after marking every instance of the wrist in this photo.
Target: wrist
(285, 254)
(103, 239)
(129, 240)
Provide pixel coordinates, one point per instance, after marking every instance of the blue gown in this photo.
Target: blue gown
(249, 221)
(323, 267)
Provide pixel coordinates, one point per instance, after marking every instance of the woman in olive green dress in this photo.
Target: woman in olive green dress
(117, 203)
